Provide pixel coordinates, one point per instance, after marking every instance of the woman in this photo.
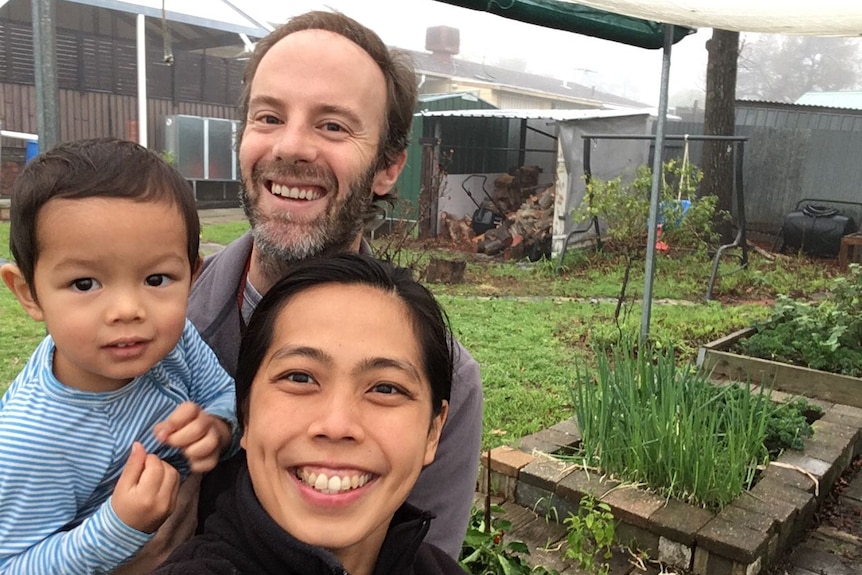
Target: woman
(342, 390)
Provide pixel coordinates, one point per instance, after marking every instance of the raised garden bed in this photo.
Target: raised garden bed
(717, 358)
(745, 538)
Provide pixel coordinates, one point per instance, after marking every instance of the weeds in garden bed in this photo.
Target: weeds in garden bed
(644, 419)
(825, 336)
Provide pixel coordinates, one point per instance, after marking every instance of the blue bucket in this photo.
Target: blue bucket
(683, 204)
(32, 150)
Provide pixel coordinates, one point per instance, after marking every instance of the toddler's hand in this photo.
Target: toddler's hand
(201, 437)
(146, 492)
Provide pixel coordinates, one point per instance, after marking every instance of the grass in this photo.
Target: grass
(644, 419)
(529, 327)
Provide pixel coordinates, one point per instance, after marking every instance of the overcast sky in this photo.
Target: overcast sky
(623, 70)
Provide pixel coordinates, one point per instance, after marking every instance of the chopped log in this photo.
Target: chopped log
(445, 271)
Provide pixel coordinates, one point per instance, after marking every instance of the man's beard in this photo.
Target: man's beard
(281, 241)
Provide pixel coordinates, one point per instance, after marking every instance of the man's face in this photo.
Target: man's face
(309, 149)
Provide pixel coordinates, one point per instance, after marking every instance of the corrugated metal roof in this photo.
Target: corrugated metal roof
(849, 100)
(223, 15)
(557, 115)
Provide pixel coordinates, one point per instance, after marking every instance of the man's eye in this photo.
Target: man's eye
(157, 280)
(332, 127)
(269, 119)
(85, 284)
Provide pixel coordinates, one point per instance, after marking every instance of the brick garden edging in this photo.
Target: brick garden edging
(745, 538)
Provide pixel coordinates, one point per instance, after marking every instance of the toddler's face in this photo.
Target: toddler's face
(112, 281)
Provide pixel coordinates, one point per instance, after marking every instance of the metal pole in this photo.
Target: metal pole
(142, 81)
(649, 271)
(45, 68)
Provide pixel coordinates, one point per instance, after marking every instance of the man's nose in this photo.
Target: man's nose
(296, 142)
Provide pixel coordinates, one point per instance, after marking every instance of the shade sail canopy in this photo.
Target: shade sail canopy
(570, 17)
(820, 18)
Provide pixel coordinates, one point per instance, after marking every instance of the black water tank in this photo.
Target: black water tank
(816, 230)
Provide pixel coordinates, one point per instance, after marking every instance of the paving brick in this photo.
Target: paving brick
(536, 442)
(854, 490)
(570, 428)
(733, 541)
(804, 502)
(824, 471)
(580, 483)
(545, 473)
(782, 513)
(543, 502)
(791, 477)
(835, 428)
(845, 415)
(680, 521)
(637, 538)
(748, 519)
(633, 505)
(507, 460)
(674, 553)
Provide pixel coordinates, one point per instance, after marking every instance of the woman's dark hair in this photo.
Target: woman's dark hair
(429, 321)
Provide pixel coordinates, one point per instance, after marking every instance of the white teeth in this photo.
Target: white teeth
(335, 484)
(295, 193)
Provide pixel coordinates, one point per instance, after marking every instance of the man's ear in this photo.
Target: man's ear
(434, 434)
(197, 267)
(386, 178)
(14, 280)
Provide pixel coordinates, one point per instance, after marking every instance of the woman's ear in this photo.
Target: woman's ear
(434, 433)
(14, 280)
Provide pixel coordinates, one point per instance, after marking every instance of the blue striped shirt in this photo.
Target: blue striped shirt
(63, 449)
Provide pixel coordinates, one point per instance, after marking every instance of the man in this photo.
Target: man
(326, 112)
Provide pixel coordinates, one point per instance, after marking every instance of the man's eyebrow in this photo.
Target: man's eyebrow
(264, 100)
(351, 116)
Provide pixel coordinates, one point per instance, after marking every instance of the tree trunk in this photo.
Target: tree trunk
(719, 120)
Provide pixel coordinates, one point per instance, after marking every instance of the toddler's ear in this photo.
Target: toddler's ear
(14, 280)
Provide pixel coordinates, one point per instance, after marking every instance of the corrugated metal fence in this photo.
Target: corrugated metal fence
(791, 156)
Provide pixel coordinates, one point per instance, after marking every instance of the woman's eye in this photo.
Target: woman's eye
(386, 389)
(157, 280)
(299, 377)
(85, 284)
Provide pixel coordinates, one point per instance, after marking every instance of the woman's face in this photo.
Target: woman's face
(339, 422)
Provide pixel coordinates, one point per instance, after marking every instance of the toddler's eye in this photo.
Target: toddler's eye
(85, 284)
(157, 280)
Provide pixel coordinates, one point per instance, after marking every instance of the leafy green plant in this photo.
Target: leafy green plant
(645, 420)
(825, 336)
(590, 535)
(485, 550)
(624, 209)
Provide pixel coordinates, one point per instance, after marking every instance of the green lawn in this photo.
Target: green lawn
(529, 327)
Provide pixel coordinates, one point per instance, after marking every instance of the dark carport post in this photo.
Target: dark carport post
(652, 225)
(47, 91)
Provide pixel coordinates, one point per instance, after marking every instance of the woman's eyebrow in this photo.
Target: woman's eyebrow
(389, 363)
(289, 351)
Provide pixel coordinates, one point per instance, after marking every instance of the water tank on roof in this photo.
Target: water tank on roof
(443, 39)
